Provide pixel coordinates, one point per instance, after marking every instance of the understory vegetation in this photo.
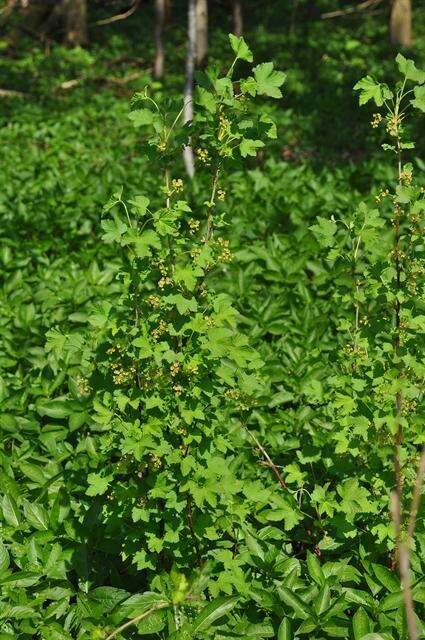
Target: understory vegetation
(212, 388)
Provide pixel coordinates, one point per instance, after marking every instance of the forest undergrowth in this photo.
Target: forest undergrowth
(211, 390)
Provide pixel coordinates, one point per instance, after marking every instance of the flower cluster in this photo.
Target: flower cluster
(225, 254)
(159, 330)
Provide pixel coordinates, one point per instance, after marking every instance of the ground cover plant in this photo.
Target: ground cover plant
(211, 388)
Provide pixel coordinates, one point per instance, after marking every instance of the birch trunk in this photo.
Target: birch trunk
(237, 18)
(201, 30)
(188, 90)
(160, 10)
(401, 23)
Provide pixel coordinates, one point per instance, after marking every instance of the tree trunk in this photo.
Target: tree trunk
(188, 90)
(75, 15)
(401, 23)
(237, 18)
(201, 30)
(160, 10)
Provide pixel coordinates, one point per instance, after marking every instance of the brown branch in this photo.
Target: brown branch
(345, 12)
(416, 499)
(75, 82)
(270, 462)
(119, 16)
(403, 554)
(8, 93)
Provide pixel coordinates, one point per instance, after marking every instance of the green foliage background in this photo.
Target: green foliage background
(314, 560)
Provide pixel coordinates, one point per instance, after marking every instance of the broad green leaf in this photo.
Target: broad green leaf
(36, 515)
(114, 230)
(21, 579)
(10, 511)
(322, 600)
(253, 546)
(314, 568)
(4, 558)
(391, 601)
(292, 600)
(206, 99)
(284, 632)
(362, 624)
(212, 612)
(98, 484)
(141, 117)
(184, 305)
(268, 80)
(55, 409)
(408, 68)
(419, 100)
(107, 598)
(240, 48)
(386, 577)
(140, 602)
(140, 204)
(325, 231)
(249, 147)
(152, 624)
(372, 90)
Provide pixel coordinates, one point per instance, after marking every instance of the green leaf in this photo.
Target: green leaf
(408, 68)
(140, 204)
(21, 579)
(325, 231)
(254, 547)
(140, 602)
(249, 147)
(294, 601)
(372, 90)
(4, 558)
(98, 484)
(361, 624)
(106, 598)
(55, 409)
(36, 515)
(391, 601)
(268, 80)
(141, 117)
(240, 48)
(184, 305)
(323, 600)
(314, 568)
(113, 200)
(419, 100)
(386, 577)
(212, 612)
(152, 624)
(284, 632)
(206, 99)
(10, 511)
(114, 230)
(144, 242)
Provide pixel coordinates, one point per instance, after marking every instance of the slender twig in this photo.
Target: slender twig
(192, 529)
(270, 462)
(345, 12)
(137, 619)
(119, 16)
(209, 228)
